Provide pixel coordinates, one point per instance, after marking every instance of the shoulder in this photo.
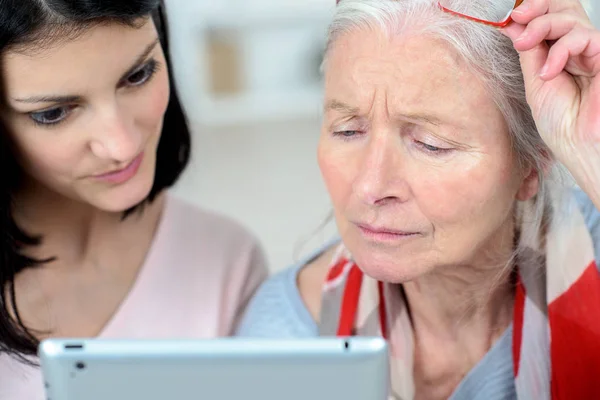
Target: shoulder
(277, 310)
(19, 381)
(213, 257)
(211, 227)
(280, 307)
(208, 237)
(591, 215)
(213, 246)
(587, 208)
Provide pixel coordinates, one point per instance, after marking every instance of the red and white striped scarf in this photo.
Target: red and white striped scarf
(556, 322)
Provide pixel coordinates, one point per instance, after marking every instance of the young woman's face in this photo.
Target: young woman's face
(85, 115)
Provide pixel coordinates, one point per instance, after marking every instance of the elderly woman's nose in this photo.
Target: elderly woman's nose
(380, 173)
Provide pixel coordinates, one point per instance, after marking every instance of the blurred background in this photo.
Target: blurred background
(594, 11)
(248, 75)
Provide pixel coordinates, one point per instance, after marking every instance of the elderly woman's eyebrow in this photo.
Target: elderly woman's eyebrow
(427, 118)
(421, 117)
(336, 105)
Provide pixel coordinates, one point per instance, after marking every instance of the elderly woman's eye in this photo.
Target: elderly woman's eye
(51, 116)
(432, 149)
(345, 134)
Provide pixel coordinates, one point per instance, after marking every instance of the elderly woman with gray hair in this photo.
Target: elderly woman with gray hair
(447, 125)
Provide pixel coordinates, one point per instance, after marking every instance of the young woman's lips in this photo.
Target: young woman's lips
(383, 234)
(122, 175)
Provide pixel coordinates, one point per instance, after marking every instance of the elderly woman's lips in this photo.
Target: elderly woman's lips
(383, 233)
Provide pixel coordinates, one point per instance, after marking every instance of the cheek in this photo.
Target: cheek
(154, 103)
(48, 158)
(480, 193)
(337, 171)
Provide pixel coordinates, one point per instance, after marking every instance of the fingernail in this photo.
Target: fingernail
(544, 70)
(524, 7)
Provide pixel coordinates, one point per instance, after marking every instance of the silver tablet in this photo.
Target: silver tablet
(218, 369)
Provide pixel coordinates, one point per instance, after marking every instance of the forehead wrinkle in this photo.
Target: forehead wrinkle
(372, 109)
(386, 106)
(432, 83)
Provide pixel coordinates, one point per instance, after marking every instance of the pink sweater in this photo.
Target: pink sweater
(197, 279)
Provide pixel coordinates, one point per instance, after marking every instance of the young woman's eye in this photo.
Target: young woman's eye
(51, 116)
(142, 75)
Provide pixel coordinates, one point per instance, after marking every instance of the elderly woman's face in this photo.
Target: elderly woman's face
(416, 157)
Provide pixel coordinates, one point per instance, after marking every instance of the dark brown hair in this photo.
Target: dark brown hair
(29, 25)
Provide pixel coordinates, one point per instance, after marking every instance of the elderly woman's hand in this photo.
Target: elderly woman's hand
(560, 58)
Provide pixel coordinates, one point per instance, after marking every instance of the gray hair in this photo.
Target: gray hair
(488, 53)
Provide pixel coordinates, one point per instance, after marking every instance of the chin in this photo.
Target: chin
(390, 265)
(122, 198)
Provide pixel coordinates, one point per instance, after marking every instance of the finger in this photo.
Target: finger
(578, 42)
(529, 10)
(546, 27)
(513, 30)
(572, 44)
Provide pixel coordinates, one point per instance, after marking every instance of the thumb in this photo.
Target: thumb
(532, 60)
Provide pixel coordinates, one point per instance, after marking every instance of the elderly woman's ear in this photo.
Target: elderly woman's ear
(532, 176)
(530, 185)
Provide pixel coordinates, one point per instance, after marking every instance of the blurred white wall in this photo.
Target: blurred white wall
(593, 9)
(267, 177)
(256, 162)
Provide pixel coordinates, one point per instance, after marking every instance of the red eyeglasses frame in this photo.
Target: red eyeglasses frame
(500, 24)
